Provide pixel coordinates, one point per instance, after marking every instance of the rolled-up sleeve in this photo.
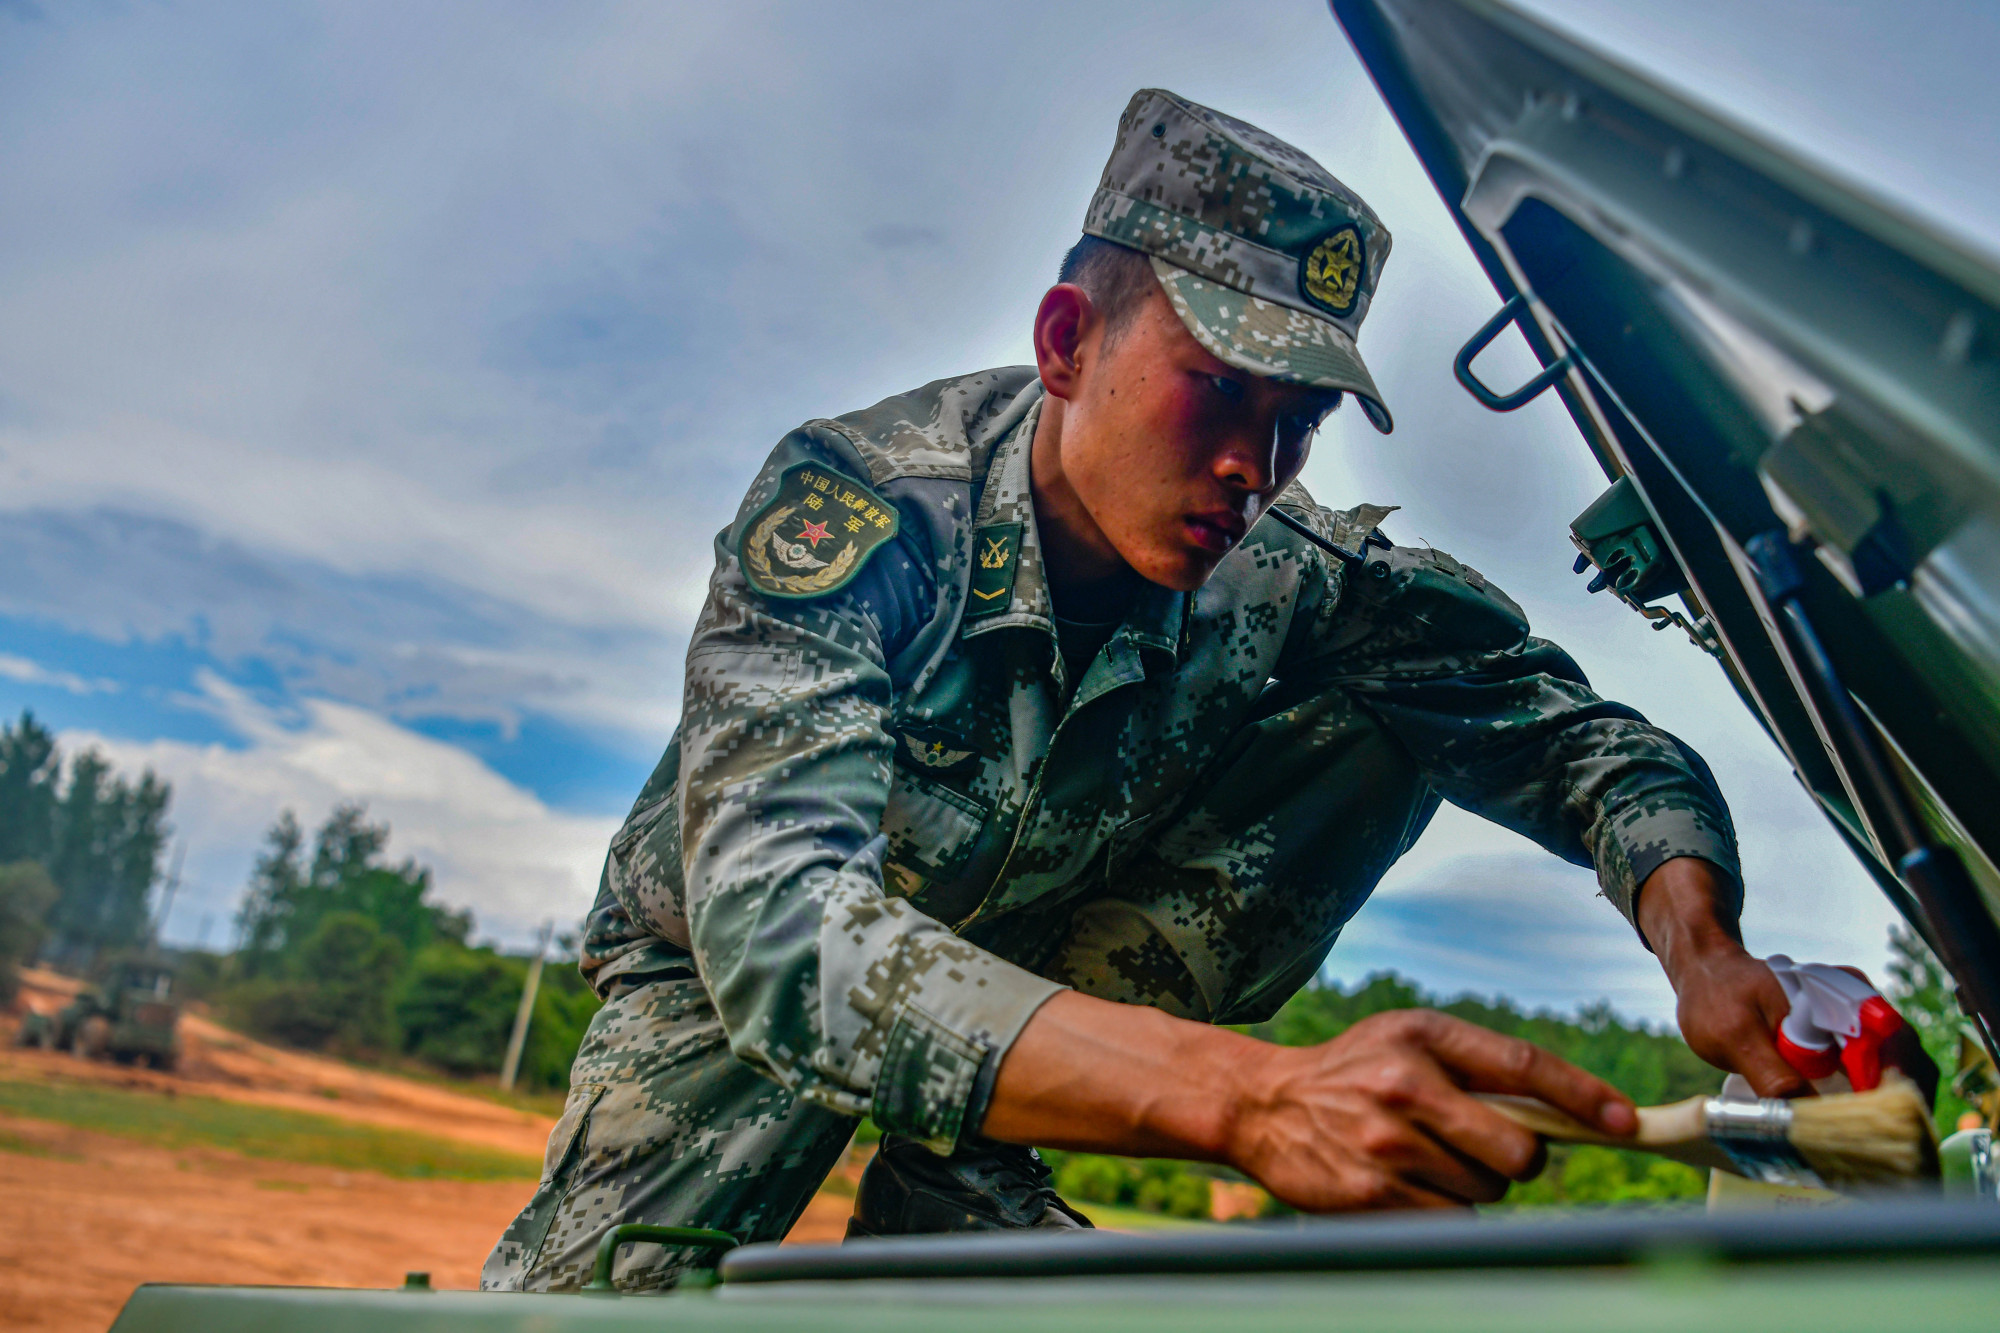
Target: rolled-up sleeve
(1505, 725)
(851, 999)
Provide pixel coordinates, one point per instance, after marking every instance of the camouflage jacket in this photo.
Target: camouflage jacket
(925, 701)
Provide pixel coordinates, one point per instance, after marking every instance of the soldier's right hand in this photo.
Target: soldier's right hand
(1380, 1117)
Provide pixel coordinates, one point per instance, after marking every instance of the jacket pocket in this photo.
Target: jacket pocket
(931, 830)
(644, 867)
(1127, 841)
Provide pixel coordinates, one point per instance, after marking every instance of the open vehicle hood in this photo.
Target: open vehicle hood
(1796, 393)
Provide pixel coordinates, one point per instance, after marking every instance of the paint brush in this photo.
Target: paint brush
(1845, 1140)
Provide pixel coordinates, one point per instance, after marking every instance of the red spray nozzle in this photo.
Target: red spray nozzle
(1837, 1021)
(1861, 1055)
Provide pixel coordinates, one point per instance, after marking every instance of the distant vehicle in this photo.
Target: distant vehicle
(130, 1017)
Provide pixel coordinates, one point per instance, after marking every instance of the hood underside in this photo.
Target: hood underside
(1796, 391)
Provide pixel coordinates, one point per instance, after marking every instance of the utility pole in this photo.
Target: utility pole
(511, 1066)
(173, 884)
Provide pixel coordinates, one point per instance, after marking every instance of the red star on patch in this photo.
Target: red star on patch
(813, 532)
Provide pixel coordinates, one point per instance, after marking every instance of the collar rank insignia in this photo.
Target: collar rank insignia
(815, 534)
(931, 751)
(996, 550)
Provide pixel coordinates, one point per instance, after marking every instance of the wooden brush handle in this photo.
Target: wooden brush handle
(1545, 1120)
(1678, 1130)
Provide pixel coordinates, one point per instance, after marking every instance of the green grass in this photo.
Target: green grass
(14, 1143)
(268, 1132)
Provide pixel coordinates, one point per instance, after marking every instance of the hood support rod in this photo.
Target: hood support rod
(1961, 926)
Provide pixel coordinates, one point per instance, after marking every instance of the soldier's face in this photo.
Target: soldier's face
(1166, 455)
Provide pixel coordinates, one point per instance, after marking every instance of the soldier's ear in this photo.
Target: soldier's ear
(1063, 323)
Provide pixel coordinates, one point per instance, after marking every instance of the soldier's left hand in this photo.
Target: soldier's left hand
(1730, 1003)
(1730, 1007)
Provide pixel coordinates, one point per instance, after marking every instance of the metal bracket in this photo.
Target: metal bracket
(1483, 339)
(640, 1232)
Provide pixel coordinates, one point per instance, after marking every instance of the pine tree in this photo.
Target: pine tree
(108, 838)
(98, 835)
(29, 767)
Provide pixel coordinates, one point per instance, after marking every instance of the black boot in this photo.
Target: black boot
(909, 1190)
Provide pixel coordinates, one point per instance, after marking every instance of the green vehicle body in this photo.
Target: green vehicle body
(1794, 394)
(130, 1017)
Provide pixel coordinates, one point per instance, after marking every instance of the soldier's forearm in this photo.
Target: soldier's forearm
(1681, 913)
(1094, 1076)
(1729, 1004)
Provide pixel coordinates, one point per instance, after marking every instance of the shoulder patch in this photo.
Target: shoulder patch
(815, 534)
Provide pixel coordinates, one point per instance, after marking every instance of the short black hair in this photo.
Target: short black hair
(1115, 277)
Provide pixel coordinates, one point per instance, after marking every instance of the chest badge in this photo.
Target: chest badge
(933, 752)
(996, 550)
(815, 534)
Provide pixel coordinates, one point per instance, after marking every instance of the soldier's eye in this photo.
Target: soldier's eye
(1231, 390)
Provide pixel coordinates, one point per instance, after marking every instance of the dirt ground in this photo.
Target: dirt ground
(91, 1215)
(216, 1062)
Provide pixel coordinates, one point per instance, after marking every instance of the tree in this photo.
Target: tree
(351, 964)
(456, 1006)
(29, 769)
(98, 835)
(333, 990)
(290, 894)
(109, 835)
(1927, 998)
(563, 1010)
(26, 893)
(275, 882)
(326, 940)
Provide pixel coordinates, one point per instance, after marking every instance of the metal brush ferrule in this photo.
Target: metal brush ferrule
(1756, 1136)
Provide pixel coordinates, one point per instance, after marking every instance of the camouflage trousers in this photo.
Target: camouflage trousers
(1225, 910)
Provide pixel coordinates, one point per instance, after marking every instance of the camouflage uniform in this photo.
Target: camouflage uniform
(892, 824)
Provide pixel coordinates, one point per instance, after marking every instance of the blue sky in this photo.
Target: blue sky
(373, 378)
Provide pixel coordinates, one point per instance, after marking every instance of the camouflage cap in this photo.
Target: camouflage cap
(1268, 260)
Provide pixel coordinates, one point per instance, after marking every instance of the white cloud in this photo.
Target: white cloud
(436, 341)
(493, 847)
(34, 673)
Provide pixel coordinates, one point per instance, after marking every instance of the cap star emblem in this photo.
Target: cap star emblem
(1333, 271)
(813, 532)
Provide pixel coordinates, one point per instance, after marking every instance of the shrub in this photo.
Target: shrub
(457, 1006)
(1093, 1179)
(334, 991)
(1177, 1193)
(1154, 1186)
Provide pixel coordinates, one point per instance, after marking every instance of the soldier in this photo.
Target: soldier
(1022, 745)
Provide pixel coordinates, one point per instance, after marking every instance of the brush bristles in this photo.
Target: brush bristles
(1883, 1137)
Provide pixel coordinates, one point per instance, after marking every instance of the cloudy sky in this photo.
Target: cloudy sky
(374, 376)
